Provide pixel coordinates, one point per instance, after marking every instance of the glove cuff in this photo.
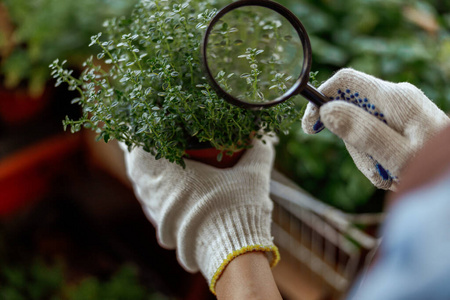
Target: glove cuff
(227, 234)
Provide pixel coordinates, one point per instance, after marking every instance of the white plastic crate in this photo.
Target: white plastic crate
(326, 241)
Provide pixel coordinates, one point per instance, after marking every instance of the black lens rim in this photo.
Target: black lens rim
(303, 78)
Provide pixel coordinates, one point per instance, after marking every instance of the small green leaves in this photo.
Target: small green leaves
(153, 93)
(94, 39)
(220, 156)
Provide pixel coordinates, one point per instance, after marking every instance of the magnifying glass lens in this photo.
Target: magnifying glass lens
(254, 54)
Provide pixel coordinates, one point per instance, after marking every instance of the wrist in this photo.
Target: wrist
(227, 234)
(248, 277)
(269, 253)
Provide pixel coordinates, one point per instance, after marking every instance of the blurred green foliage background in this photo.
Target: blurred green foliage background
(43, 30)
(39, 280)
(396, 40)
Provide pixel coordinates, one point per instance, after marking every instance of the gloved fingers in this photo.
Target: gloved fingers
(373, 170)
(397, 104)
(140, 162)
(311, 123)
(123, 146)
(261, 154)
(351, 86)
(422, 117)
(366, 133)
(271, 137)
(260, 157)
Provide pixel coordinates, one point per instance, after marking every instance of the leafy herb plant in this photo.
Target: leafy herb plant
(146, 88)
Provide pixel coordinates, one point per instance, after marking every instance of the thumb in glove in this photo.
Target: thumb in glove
(382, 123)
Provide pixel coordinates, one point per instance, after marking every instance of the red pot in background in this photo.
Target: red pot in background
(18, 106)
(28, 175)
(209, 156)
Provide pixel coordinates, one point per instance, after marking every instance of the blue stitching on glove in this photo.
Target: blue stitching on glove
(355, 98)
(318, 127)
(383, 172)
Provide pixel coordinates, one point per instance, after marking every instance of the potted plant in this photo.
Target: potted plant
(32, 34)
(146, 87)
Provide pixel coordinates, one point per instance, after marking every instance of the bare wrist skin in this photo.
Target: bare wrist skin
(248, 276)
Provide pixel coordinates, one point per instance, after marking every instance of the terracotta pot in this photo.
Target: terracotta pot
(209, 156)
(27, 175)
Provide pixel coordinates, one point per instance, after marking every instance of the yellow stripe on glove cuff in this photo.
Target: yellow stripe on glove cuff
(274, 254)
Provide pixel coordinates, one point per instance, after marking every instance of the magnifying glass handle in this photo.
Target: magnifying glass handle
(313, 95)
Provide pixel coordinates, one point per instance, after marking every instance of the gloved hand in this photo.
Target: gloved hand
(382, 123)
(209, 215)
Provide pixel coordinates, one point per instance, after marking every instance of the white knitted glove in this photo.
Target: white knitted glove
(208, 215)
(382, 123)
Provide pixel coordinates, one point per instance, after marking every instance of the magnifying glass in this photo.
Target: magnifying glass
(256, 54)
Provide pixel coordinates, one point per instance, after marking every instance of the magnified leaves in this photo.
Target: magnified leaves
(260, 48)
